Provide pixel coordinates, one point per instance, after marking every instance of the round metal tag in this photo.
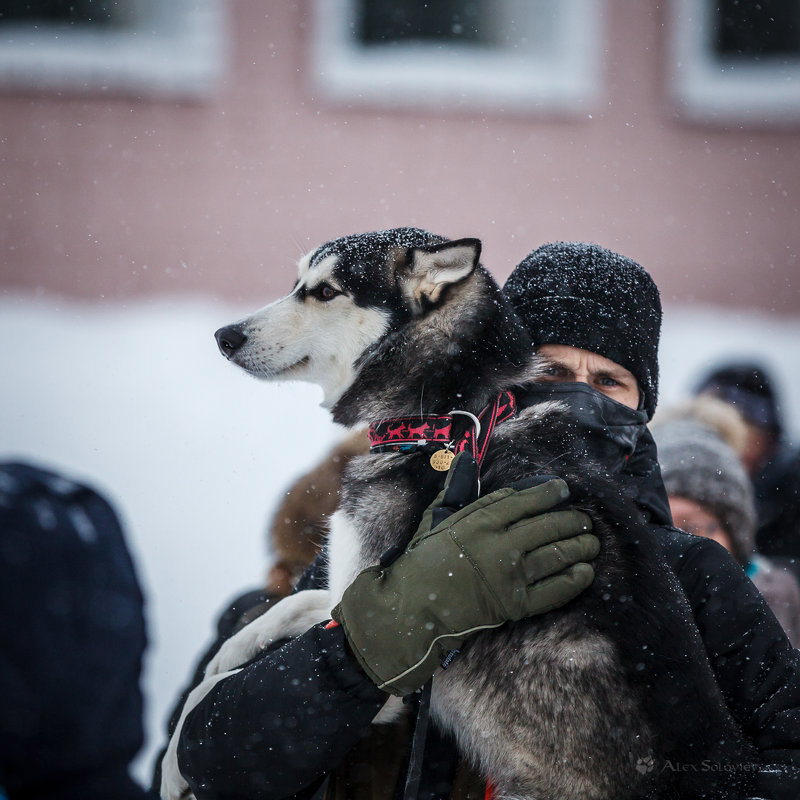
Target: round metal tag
(442, 459)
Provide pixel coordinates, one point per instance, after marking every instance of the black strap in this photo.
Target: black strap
(414, 774)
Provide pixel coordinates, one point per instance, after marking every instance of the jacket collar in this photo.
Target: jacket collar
(643, 475)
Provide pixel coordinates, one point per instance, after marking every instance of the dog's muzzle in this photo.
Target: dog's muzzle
(230, 339)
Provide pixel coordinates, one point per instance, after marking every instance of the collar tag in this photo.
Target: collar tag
(441, 459)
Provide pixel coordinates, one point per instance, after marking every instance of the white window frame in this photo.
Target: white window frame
(706, 89)
(418, 75)
(170, 48)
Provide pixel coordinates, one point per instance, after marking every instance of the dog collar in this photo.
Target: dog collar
(409, 434)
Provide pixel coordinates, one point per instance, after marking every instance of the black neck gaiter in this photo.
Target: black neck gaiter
(608, 430)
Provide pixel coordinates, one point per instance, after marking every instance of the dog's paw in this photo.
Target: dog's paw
(290, 617)
(173, 784)
(238, 650)
(392, 710)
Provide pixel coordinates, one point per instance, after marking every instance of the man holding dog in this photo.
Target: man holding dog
(595, 317)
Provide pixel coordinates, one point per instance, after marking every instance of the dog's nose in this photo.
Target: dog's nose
(230, 339)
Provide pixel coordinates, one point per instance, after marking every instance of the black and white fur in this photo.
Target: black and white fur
(609, 697)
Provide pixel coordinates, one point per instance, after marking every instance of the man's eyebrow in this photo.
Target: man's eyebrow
(617, 374)
(550, 361)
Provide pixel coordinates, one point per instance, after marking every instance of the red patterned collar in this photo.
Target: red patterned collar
(406, 434)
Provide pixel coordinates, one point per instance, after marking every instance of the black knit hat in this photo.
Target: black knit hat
(585, 296)
(747, 387)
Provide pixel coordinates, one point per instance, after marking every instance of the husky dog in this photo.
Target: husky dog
(610, 697)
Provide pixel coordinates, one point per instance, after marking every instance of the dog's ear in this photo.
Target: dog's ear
(429, 270)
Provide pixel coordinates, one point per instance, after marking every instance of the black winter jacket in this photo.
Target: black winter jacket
(777, 490)
(278, 727)
(71, 642)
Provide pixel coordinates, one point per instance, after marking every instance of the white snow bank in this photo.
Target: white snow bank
(194, 454)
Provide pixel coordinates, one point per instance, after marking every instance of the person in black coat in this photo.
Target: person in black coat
(71, 642)
(293, 717)
(772, 462)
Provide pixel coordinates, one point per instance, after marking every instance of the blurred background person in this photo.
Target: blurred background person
(771, 460)
(300, 523)
(71, 644)
(295, 535)
(713, 413)
(711, 495)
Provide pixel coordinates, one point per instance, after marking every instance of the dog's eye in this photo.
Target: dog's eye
(324, 292)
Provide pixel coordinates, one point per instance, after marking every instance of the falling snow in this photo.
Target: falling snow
(195, 455)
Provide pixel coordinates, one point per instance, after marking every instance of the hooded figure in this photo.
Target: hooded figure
(71, 645)
(772, 462)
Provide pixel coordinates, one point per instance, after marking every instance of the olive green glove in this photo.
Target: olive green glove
(500, 558)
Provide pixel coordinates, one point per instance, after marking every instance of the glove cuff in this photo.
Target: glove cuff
(355, 651)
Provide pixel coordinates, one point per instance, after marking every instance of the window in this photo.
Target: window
(144, 47)
(737, 60)
(509, 54)
(59, 10)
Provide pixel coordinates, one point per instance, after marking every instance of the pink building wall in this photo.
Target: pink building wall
(113, 198)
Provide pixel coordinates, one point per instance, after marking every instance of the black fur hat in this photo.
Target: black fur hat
(588, 297)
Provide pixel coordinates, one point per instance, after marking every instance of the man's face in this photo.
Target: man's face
(565, 364)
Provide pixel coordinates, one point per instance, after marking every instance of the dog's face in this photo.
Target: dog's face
(349, 293)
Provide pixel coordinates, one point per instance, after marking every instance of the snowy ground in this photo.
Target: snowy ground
(194, 454)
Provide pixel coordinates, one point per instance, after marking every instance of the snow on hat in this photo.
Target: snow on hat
(585, 296)
(747, 387)
(697, 465)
